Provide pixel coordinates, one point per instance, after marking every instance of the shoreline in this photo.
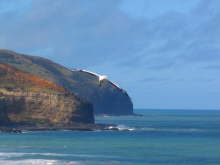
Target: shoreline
(78, 127)
(24, 127)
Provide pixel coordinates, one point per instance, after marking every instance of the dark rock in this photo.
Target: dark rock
(19, 127)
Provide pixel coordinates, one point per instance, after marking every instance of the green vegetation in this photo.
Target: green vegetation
(106, 99)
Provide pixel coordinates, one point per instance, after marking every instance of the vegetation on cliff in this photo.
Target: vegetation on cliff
(29, 99)
(106, 98)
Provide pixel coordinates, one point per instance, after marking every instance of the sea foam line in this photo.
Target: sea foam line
(9, 155)
(122, 128)
(38, 162)
(17, 154)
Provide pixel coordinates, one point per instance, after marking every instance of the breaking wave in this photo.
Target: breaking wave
(122, 128)
(38, 162)
(152, 129)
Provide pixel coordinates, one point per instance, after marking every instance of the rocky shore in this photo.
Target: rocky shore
(76, 127)
(32, 103)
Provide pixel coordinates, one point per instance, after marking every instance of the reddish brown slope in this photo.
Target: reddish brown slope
(32, 100)
(12, 74)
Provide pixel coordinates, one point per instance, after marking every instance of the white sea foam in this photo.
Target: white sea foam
(18, 159)
(14, 158)
(127, 128)
(122, 128)
(29, 162)
(171, 129)
(38, 162)
(6, 155)
(14, 155)
(138, 128)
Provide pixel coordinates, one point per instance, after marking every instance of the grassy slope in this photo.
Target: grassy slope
(38, 103)
(11, 77)
(106, 99)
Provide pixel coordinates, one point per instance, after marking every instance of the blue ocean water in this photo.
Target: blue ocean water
(160, 137)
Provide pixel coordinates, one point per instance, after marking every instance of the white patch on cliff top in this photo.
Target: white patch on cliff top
(100, 77)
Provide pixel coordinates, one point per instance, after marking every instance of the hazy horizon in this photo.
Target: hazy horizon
(175, 109)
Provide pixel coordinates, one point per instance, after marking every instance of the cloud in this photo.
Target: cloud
(100, 31)
(175, 41)
(72, 29)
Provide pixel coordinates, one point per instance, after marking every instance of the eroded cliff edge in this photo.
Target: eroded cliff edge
(30, 100)
(106, 98)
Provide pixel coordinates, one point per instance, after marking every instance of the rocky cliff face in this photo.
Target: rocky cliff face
(106, 98)
(29, 99)
(3, 114)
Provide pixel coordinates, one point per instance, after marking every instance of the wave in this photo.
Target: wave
(38, 162)
(13, 158)
(7, 155)
(128, 128)
(29, 162)
(122, 128)
(16, 155)
(172, 129)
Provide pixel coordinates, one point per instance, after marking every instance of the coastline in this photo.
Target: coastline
(77, 127)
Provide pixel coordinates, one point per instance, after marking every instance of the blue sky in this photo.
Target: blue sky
(166, 54)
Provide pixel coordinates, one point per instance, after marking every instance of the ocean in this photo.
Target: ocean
(160, 137)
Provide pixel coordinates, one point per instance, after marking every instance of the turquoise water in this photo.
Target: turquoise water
(160, 137)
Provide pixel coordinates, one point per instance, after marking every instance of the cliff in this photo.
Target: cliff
(106, 98)
(28, 99)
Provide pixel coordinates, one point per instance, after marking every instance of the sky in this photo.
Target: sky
(166, 54)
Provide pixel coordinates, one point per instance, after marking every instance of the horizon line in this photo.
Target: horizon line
(181, 109)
